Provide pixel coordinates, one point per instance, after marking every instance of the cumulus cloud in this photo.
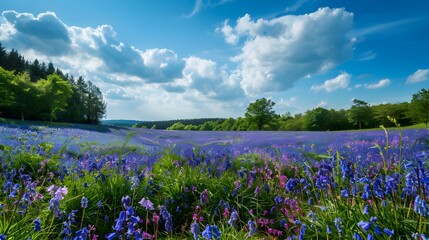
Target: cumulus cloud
(280, 51)
(118, 94)
(44, 32)
(214, 82)
(228, 33)
(418, 76)
(380, 84)
(340, 82)
(87, 49)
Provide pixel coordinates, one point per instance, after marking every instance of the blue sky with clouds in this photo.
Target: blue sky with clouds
(157, 60)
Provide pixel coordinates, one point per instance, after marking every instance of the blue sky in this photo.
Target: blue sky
(158, 60)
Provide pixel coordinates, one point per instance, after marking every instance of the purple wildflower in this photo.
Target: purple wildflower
(147, 204)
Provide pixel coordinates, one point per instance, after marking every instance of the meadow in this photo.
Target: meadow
(120, 183)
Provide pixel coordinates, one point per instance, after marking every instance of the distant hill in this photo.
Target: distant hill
(158, 124)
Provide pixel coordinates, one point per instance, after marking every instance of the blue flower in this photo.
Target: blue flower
(338, 223)
(211, 232)
(37, 227)
(364, 225)
(389, 232)
(292, 184)
(126, 201)
(84, 202)
(252, 227)
(3, 237)
(302, 231)
(233, 218)
(195, 229)
(366, 209)
(82, 234)
(111, 236)
(279, 200)
(356, 236)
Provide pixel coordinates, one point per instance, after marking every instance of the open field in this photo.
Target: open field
(121, 183)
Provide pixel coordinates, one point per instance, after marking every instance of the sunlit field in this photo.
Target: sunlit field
(70, 183)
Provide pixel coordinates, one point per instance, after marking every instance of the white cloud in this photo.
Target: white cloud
(382, 83)
(287, 102)
(85, 49)
(366, 56)
(340, 82)
(280, 51)
(322, 104)
(228, 33)
(201, 4)
(205, 76)
(118, 94)
(419, 76)
(295, 6)
(382, 27)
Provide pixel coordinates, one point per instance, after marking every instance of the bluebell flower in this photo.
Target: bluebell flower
(54, 204)
(419, 236)
(364, 225)
(377, 230)
(135, 181)
(302, 232)
(3, 237)
(328, 230)
(167, 218)
(356, 236)
(366, 209)
(37, 227)
(111, 236)
(388, 232)
(204, 197)
(126, 201)
(211, 232)
(279, 200)
(291, 184)
(130, 211)
(252, 227)
(233, 218)
(370, 237)
(84, 202)
(195, 230)
(338, 223)
(119, 224)
(82, 234)
(310, 201)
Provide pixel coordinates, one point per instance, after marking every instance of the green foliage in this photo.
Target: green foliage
(420, 106)
(55, 94)
(360, 113)
(261, 112)
(35, 91)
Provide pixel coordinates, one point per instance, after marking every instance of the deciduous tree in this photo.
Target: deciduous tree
(261, 112)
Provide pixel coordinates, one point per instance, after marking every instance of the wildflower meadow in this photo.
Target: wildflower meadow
(121, 183)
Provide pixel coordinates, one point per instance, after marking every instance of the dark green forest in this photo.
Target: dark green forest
(39, 91)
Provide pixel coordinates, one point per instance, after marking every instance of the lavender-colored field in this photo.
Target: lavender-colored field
(291, 145)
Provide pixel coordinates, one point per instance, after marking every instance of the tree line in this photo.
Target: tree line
(260, 115)
(39, 91)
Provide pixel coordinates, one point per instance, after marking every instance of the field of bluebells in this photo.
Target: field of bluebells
(119, 183)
